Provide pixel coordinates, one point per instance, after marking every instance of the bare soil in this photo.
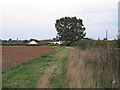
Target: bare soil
(16, 55)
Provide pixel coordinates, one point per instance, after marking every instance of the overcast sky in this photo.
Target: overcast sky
(26, 19)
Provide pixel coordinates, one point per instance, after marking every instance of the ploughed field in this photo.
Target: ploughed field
(16, 55)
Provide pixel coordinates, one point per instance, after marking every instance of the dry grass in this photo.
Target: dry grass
(44, 80)
(93, 68)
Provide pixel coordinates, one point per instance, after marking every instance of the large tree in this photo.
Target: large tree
(70, 29)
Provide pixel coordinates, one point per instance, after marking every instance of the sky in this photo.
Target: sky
(26, 19)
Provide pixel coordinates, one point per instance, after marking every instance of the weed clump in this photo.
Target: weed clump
(94, 65)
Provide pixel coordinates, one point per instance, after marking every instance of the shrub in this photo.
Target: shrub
(118, 43)
(95, 67)
(22, 45)
(84, 43)
(100, 44)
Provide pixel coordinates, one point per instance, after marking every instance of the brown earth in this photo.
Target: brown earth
(16, 55)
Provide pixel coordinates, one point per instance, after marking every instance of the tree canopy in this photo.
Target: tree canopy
(70, 29)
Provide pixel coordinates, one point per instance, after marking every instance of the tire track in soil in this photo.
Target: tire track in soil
(44, 80)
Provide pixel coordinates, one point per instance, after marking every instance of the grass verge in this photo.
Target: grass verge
(28, 74)
(58, 79)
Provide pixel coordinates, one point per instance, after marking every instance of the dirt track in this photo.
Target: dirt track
(16, 55)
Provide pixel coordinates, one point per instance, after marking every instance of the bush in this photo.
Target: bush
(84, 43)
(118, 43)
(22, 45)
(100, 44)
(95, 67)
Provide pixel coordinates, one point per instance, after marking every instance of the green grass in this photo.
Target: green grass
(28, 74)
(58, 79)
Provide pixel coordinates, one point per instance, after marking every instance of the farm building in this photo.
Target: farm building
(32, 42)
(57, 42)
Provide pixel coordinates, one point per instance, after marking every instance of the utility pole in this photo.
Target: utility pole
(106, 34)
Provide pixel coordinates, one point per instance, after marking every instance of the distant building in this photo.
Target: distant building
(57, 42)
(32, 42)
